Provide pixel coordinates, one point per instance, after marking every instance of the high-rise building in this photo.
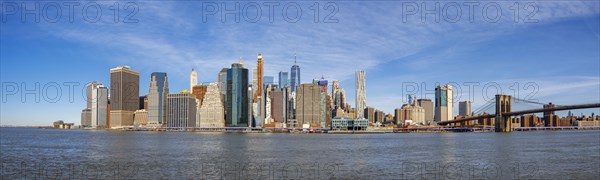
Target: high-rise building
(237, 96)
(464, 108)
(279, 105)
(427, 106)
(361, 94)
(86, 116)
(283, 80)
(259, 77)
(99, 110)
(210, 113)
(368, 113)
(193, 79)
(199, 92)
(124, 95)
(412, 111)
(308, 110)
(443, 103)
(181, 110)
(223, 81)
(157, 99)
(268, 80)
(295, 75)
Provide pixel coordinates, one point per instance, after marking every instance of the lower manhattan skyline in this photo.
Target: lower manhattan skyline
(197, 89)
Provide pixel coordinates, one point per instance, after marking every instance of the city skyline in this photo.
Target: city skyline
(573, 52)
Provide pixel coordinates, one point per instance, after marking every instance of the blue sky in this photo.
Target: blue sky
(558, 53)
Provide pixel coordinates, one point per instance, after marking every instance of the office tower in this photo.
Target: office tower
(237, 96)
(223, 81)
(412, 111)
(279, 106)
(283, 80)
(124, 94)
(308, 109)
(199, 92)
(143, 102)
(268, 80)
(210, 113)
(464, 108)
(181, 110)
(361, 94)
(549, 116)
(443, 103)
(379, 116)
(335, 88)
(427, 106)
(140, 118)
(259, 77)
(99, 110)
(254, 81)
(368, 113)
(86, 117)
(193, 79)
(157, 99)
(295, 75)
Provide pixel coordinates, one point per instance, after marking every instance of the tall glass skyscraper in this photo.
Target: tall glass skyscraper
(283, 79)
(295, 76)
(157, 99)
(443, 103)
(237, 96)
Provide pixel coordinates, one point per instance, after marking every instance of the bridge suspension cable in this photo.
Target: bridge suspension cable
(533, 102)
(484, 107)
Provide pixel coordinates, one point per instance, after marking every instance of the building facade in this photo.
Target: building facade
(181, 110)
(237, 96)
(464, 108)
(283, 79)
(443, 103)
(427, 106)
(211, 113)
(295, 75)
(157, 99)
(124, 95)
(308, 105)
(361, 94)
(99, 110)
(193, 79)
(140, 118)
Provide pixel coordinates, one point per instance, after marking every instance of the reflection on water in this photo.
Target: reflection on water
(62, 154)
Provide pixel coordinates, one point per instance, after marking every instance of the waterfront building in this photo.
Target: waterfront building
(361, 94)
(443, 103)
(99, 110)
(368, 113)
(193, 80)
(237, 106)
(279, 106)
(464, 108)
(210, 113)
(427, 105)
(345, 123)
(308, 109)
(411, 111)
(379, 116)
(140, 118)
(181, 110)
(295, 75)
(283, 80)
(86, 117)
(124, 95)
(157, 99)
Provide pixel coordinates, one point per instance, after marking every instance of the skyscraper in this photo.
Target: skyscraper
(210, 113)
(295, 75)
(268, 80)
(427, 105)
(193, 79)
(308, 110)
(181, 110)
(361, 93)
(223, 81)
(464, 108)
(443, 103)
(283, 79)
(86, 116)
(237, 96)
(124, 96)
(259, 77)
(157, 99)
(99, 110)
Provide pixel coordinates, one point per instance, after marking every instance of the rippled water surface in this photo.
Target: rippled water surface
(81, 154)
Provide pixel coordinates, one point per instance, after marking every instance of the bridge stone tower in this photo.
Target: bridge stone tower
(503, 104)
